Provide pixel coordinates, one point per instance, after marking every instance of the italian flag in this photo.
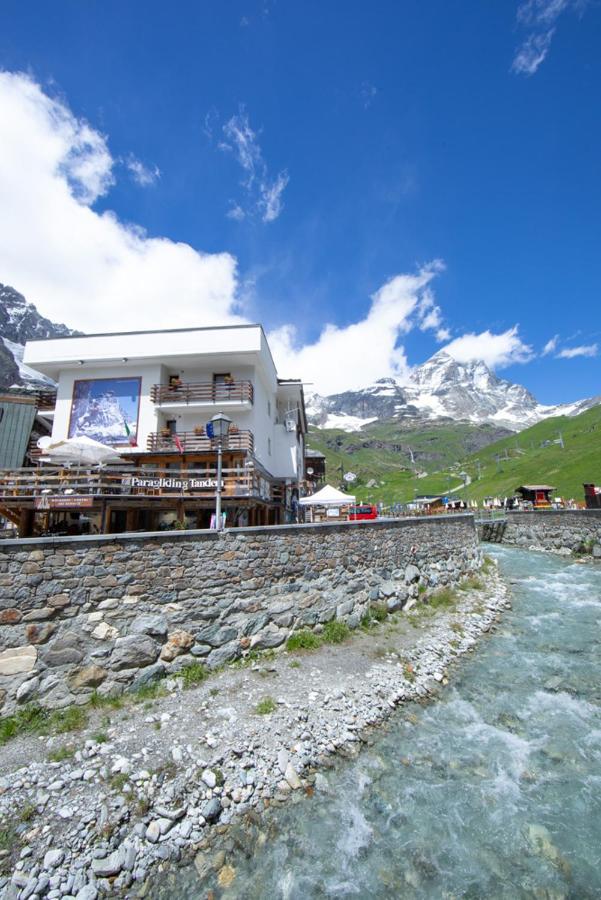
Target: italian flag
(132, 441)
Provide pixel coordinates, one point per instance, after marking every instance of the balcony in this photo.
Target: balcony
(53, 488)
(208, 394)
(198, 442)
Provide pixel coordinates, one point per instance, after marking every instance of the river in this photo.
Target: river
(492, 791)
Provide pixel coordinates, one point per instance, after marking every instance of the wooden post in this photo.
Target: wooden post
(26, 518)
(131, 520)
(105, 518)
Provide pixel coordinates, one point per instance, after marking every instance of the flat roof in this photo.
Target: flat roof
(81, 334)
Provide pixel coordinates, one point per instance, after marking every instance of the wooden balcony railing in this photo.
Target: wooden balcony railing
(46, 400)
(193, 442)
(203, 392)
(49, 487)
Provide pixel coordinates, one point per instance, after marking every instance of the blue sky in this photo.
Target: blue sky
(316, 153)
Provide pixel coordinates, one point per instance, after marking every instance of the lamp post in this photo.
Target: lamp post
(221, 426)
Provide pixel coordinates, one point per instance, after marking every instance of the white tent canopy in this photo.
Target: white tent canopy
(79, 450)
(327, 496)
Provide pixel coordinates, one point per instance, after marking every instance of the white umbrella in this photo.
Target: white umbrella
(79, 450)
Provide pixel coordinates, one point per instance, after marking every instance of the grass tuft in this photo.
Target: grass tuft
(303, 640)
(192, 674)
(61, 753)
(335, 632)
(33, 719)
(265, 706)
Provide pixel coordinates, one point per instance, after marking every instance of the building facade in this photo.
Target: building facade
(150, 395)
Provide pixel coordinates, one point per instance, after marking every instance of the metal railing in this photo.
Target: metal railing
(203, 392)
(198, 442)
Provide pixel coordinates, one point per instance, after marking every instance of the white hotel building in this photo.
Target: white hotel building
(150, 396)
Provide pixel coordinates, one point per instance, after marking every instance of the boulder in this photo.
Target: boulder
(134, 652)
(26, 690)
(411, 574)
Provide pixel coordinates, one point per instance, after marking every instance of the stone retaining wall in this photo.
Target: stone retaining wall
(561, 530)
(110, 613)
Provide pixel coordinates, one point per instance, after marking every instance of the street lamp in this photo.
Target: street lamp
(220, 427)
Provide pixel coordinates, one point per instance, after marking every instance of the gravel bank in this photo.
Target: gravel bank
(148, 787)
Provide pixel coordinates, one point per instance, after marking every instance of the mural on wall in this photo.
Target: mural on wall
(106, 410)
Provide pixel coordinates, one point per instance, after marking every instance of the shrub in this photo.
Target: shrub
(265, 706)
(443, 598)
(378, 611)
(303, 640)
(192, 674)
(335, 632)
(471, 584)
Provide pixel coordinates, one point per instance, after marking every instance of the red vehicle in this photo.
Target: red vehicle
(364, 511)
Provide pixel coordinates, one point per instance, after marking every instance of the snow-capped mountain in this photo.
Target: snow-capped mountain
(20, 322)
(440, 388)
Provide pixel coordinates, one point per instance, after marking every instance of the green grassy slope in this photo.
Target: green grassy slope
(381, 452)
(446, 450)
(524, 461)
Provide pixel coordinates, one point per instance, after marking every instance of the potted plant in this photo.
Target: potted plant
(199, 430)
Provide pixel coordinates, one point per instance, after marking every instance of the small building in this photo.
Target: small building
(315, 470)
(537, 494)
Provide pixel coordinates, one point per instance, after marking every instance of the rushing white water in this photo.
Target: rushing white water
(492, 791)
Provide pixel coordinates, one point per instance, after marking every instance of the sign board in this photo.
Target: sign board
(333, 512)
(70, 501)
(174, 484)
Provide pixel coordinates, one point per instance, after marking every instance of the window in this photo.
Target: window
(269, 446)
(269, 408)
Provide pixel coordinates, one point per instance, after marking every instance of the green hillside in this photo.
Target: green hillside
(380, 453)
(533, 457)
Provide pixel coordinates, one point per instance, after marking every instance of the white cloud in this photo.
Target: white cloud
(497, 350)
(142, 175)
(354, 356)
(550, 346)
(532, 53)
(584, 350)
(264, 193)
(430, 318)
(82, 267)
(540, 18)
(271, 197)
(367, 94)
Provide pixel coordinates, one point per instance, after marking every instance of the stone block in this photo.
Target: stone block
(58, 601)
(89, 676)
(39, 634)
(10, 616)
(155, 626)
(68, 656)
(18, 660)
(104, 632)
(178, 642)
(133, 652)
